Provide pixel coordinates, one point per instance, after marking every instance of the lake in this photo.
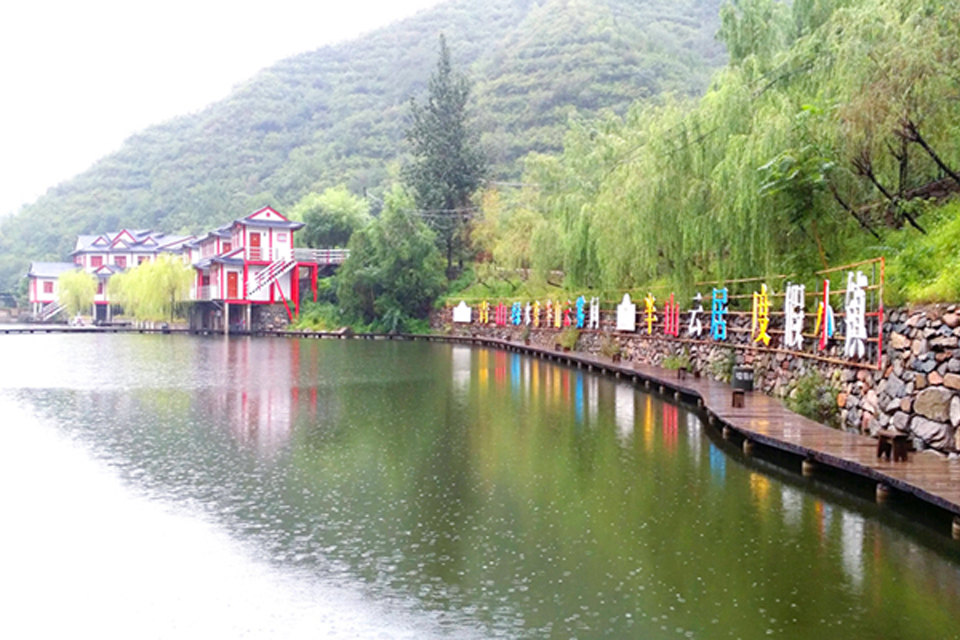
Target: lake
(177, 486)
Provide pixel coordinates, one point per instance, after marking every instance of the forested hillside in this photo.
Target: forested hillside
(337, 115)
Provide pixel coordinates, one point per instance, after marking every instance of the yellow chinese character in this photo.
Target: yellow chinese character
(650, 311)
(557, 314)
(484, 312)
(536, 314)
(760, 318)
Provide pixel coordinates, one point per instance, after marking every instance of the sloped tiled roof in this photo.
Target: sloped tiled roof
(49, 269)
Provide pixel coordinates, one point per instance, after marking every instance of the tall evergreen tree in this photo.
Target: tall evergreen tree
(447, 165)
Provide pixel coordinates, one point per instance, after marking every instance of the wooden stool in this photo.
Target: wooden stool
(737, 400)
(890, 440)
(682, 373)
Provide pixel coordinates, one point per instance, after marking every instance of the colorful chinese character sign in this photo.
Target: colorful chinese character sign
(484, 312)
(526, 314)
(793, 316)
(626, 314)
(694, 326)
(671, 318)
(760, 316)
(825, 327)
(650, 311)
(500, 315)
(594, 313)
(536, 313)
(516, 313)
(581, 315)
(718, 321)
(855, 309)
(462, 313)
(557, 314)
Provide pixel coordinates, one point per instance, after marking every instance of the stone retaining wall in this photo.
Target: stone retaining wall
(916, 390)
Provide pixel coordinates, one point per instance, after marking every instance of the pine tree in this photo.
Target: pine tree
(447, 165)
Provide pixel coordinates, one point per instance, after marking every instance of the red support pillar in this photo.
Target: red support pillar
(295, 289)
(315, 273)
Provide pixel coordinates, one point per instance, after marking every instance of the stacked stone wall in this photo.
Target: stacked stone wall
(915, 390)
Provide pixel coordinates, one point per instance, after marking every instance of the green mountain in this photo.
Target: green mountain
(337, 114)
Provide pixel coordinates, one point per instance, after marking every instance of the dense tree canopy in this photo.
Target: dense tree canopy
(394, 271)
(331, 217)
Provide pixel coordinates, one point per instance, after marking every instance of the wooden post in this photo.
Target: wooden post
(955, 528)
(808, 467)
(883, 493)
(748, 447)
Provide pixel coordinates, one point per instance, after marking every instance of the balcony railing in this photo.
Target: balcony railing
(321, 256)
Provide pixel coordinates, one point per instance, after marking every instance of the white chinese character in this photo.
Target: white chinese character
(594, 313)
(694, 326)
(526, 315)
(855, 309)
(793, 317)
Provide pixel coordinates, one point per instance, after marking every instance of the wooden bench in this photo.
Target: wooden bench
(891, 440)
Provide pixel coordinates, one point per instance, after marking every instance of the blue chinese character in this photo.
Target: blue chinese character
(581, 318)
(516, 313)
(718, 324)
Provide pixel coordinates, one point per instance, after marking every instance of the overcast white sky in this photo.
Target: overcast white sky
(78, 77)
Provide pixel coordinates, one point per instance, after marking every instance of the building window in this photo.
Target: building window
(48, 287)
(78, 260)
(205, 280)
(99, 287)
(227, 247)
(120, 261)
(281, 237)
(96, 261)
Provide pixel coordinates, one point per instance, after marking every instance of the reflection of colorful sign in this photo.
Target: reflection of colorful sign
(718, 322)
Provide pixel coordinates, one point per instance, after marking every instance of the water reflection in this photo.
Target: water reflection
(493, 492)
(624, 407)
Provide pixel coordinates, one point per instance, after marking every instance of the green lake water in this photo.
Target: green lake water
(373, 489)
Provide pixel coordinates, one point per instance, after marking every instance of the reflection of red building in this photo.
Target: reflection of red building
(260, 400)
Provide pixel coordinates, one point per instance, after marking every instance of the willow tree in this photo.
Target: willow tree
(446, 166)
(152, 290)
(76, 290)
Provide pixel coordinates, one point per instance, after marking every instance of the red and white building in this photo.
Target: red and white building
(252, 261)
(42, 288)
(248, 262)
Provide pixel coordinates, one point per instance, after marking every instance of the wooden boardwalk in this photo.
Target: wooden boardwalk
(762, 419)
